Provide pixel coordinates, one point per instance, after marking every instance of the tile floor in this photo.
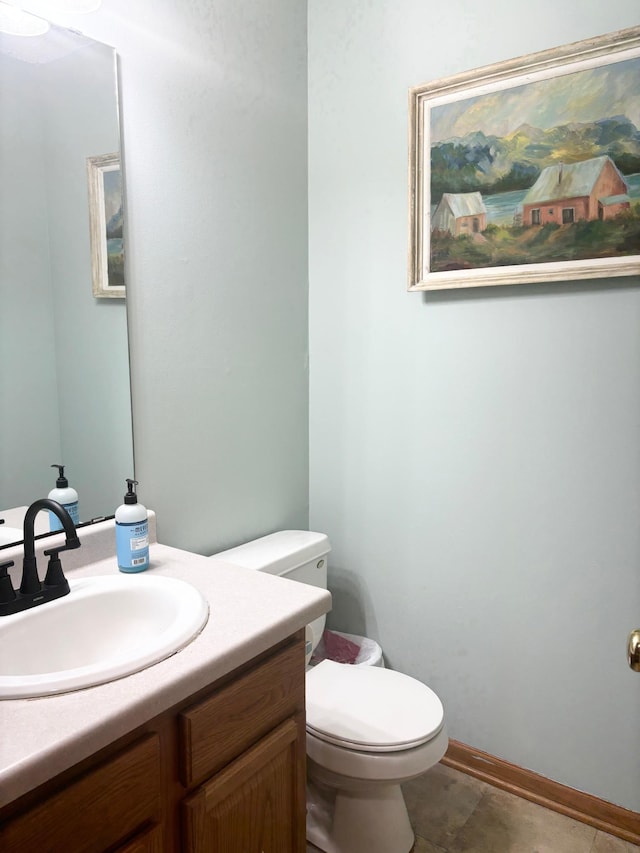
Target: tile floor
(455, 813)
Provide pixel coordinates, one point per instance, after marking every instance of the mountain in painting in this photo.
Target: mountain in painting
(495, 164)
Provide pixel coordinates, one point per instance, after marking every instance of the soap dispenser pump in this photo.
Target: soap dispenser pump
(65, 495)
(132, 533)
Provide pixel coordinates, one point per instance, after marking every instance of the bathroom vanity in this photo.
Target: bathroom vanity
(204, 750)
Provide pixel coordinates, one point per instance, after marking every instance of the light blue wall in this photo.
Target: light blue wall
(475, 456)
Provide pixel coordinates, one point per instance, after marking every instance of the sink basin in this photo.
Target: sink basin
(10, 534)
(107, 627)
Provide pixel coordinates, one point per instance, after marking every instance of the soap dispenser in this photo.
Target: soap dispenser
(65, 495)
(132, 533)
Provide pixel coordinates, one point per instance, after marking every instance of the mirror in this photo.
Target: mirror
(64, 368)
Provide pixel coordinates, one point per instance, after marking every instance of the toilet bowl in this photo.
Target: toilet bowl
(369, 729)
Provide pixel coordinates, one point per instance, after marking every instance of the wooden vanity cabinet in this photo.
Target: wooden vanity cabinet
(222, 771)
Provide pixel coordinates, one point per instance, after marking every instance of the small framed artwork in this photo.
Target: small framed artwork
(528, 170)
(106, 225)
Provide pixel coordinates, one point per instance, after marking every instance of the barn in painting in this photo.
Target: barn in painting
(566, 193)
(460, 213)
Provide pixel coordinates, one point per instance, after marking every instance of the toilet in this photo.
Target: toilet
(369, 729)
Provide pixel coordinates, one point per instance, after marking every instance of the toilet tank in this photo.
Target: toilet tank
(298, 555)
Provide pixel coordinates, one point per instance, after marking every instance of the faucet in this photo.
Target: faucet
(31, 592)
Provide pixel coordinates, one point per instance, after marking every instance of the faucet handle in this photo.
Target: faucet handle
(68, 546)
(7, 592)
(55, 575)
(70, 543)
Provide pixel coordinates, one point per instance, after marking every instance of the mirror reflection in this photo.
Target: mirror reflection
(64, 370)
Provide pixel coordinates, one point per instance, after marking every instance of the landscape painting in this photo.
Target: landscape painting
(528, 170)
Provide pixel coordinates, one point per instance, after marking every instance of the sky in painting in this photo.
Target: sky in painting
(581, 96)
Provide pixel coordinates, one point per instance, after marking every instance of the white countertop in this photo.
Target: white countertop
(249, 612)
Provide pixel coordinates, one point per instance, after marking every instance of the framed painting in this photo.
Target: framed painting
(528, 170)
(106, 225)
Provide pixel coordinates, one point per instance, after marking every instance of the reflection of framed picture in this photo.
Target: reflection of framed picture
(528, 170)
(105, 223)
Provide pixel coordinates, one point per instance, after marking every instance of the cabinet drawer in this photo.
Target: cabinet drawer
(97, 810)
(220, 727)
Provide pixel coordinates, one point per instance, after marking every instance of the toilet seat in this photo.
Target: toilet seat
(369, 709)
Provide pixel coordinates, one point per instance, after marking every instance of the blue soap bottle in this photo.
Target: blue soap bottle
(132, 533)
(65, 495)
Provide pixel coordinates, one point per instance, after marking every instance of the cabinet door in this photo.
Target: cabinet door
(254, 805)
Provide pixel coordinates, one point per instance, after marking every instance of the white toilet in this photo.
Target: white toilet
(369, 729)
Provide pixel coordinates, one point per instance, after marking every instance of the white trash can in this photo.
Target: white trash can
(368, 653)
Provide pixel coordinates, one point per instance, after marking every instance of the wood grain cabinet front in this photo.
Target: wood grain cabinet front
(223, 770)
(148, 841)
(251, 805)
(230, 719)
(97, 810)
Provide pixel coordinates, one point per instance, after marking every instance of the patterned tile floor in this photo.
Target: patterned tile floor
(455, 813)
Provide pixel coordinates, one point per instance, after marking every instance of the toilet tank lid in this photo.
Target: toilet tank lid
(278, 552)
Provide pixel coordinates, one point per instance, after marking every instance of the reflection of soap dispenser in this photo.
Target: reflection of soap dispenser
(132, 533)
(65, 495)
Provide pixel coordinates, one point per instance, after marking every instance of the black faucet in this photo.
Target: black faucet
(31, 592)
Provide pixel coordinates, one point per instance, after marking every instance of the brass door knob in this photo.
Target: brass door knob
(633, 650)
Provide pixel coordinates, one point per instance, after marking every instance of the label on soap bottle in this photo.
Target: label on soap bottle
(132, 546)
(72, 509)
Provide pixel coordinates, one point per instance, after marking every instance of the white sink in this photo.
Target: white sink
(10, 534)
(107, 627)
